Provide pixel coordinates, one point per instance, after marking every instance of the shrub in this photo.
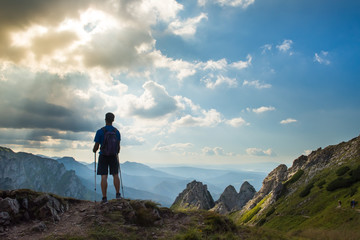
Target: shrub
(218, 223)
(191, 234)
(306, 190)
(321, 183)
(261, 222)
(353, 190)
(295, 177)
(340, 182)
(271, 211)
(355, 174)
(341, 171)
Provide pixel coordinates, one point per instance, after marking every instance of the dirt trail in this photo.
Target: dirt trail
(75, 220)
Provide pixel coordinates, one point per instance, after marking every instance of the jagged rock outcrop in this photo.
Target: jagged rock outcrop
(24, 170)
(271, 184)
(247, 192)
(230, 200)
(195, 196)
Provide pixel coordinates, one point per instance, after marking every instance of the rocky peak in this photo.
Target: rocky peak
(247, 192)
(195, 196)
(230, 200)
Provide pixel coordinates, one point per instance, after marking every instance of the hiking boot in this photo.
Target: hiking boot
(104, 200)
(118, 196)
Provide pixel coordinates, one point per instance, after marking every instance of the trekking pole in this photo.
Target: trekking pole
(95, 176)
(121, 181)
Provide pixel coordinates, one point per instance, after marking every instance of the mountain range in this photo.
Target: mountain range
(316, 198)
(140, 181)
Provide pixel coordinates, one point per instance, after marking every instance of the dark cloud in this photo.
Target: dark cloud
(17, 15)
(46, 101)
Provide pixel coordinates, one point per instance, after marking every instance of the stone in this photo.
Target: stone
(4, 218)
(39, 227)
(9, 205)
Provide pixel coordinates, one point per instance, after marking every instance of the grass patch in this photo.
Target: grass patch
(106, 233)
(65, 237)
(249, 215)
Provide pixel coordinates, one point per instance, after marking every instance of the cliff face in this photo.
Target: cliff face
(23, 170)
(230, 200)
(195, 196)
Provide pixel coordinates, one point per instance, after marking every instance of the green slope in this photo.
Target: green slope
(309, 204)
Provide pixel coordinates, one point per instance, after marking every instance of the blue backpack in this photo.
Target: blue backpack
(110, 146)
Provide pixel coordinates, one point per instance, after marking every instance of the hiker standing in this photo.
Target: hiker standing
(353, 203)
(108, 138)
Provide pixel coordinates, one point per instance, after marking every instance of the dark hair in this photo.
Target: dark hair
(109, 117)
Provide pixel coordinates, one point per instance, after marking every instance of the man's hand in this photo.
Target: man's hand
(96, 147)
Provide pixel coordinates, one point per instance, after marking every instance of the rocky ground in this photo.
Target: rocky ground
(25, 214)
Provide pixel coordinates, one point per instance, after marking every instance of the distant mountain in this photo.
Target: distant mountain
(133, 185)
(316, 192)
(80, 169)
(24, 170)
(139, 169)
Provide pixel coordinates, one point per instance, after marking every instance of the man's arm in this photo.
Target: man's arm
(96, 147)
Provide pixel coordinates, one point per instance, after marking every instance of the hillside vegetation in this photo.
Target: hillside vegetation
(308, 204)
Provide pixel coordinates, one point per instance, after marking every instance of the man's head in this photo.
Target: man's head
(109, 117)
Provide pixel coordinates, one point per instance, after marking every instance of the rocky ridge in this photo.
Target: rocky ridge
(24, 170)
(281, 182)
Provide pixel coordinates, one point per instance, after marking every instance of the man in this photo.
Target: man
(108, 138)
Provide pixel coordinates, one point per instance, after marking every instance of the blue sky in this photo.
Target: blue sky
(190, 82)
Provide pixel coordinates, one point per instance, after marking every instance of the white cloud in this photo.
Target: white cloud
(231, 3)
(153, 103)
(260, 152)
(256, 84)
(242, 64)
(285, 46)
(186, 28)
(321, 58)
(289, 120)
(237, 122)
(266, 48)
(214, 65)
(216, 151)
(176, 147)
(220, 80)
(209, 118)
(261, 109)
